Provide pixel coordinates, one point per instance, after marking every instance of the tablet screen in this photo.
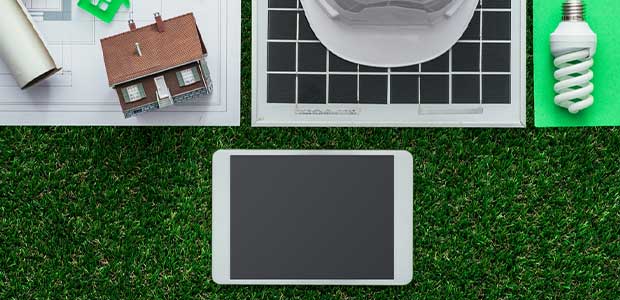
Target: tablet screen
(296, 217)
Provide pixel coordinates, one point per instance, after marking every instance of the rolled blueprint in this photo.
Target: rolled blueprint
(21, 47)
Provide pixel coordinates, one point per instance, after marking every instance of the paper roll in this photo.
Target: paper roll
(21, 47)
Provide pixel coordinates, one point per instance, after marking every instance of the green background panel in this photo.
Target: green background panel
(603, 17)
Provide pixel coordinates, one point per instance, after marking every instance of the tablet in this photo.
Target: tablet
(312, 217)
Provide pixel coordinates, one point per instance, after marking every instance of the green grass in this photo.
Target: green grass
(104, 213)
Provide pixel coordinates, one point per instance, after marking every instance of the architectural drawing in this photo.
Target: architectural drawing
(73, 36)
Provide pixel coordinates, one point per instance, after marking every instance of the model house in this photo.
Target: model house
(156, 66)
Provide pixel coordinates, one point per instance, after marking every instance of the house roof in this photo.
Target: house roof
(179, 44)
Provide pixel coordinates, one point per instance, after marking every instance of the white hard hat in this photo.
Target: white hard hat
(389, 33)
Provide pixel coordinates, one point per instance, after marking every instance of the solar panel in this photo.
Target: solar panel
(479, 82)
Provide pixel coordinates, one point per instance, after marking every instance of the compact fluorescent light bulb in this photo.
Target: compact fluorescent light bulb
(573, 44)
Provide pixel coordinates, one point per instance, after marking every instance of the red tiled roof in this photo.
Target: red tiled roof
(179, 44)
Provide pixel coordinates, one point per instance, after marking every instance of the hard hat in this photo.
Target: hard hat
(389, 33)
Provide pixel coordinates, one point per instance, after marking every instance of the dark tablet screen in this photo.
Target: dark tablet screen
(312, 217)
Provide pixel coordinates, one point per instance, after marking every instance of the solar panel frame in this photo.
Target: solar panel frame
(480, 82)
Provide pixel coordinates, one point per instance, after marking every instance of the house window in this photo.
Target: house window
(102, 4)
(134, 93)
(188, 76)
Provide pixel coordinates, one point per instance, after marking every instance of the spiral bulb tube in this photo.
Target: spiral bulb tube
(573, 45)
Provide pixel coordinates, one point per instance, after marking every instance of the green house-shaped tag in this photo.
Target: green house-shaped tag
(104, 10)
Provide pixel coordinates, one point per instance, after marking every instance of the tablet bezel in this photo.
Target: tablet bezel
(403, 217)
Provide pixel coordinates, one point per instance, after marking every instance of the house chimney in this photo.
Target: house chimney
(161, 26)
(132, 25)
(138, 50)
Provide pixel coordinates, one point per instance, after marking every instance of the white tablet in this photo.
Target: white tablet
(312, 217)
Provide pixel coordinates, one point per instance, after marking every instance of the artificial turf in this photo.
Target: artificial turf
(106, 213)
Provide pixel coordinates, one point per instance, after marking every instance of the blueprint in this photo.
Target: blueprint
(80, 95)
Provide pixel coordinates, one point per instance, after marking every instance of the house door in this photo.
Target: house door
(162, 88)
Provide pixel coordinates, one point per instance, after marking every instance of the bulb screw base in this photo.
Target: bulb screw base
(573, 11)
